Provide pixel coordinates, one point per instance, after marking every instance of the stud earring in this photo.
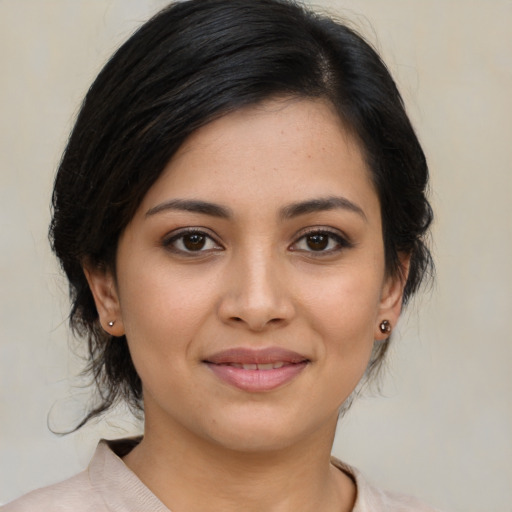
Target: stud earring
(111, 323)
(385, 327)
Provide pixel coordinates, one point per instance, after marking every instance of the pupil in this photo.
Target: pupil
(194, 242)
(317, 242)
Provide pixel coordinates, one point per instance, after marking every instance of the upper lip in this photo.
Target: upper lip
(242, 355)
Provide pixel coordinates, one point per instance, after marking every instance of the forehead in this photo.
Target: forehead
(272, 153)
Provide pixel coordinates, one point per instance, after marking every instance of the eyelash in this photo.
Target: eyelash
(171, 242)
(341, 242)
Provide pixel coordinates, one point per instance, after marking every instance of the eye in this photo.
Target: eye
(321, 241)
(191, 241)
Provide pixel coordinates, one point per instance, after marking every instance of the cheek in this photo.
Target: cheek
(345, 314)
(162, 313)
(158, 298)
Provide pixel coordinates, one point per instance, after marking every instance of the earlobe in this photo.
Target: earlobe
(391, 300)
(102, 285)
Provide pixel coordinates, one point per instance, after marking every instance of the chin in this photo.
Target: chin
(265, 431)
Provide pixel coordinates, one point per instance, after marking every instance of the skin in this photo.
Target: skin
(258, 278)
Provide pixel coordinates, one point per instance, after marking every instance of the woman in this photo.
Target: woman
(240, 212)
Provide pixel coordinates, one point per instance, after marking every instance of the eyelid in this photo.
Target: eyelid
(176, 234)
(343, 240)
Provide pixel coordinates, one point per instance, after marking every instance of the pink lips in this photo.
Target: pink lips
(256, 370)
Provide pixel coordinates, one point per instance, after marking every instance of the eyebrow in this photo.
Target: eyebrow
(288, 212)
(320, 205)
(192, 205)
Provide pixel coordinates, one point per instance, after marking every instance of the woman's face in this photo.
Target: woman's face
(251, 281)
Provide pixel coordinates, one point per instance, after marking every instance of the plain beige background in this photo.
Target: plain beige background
(443, 429)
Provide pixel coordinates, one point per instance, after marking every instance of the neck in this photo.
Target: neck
(187, 473)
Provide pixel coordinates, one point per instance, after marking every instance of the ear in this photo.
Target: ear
(391, 298)
(103, 288)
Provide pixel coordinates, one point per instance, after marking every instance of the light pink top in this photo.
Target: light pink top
(107, 485)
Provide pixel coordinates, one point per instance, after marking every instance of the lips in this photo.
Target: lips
(256, 370)
(256, 366)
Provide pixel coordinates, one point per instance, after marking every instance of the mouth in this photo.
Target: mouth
(256, 371)
(258, 366)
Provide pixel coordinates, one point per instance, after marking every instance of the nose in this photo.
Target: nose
(256, 294)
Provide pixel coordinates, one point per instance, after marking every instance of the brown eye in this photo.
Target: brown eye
(194, 241)
(322, 243)
(190, 242)
(317, 242)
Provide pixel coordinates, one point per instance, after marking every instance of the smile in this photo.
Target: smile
(264, 366)
(256, 371)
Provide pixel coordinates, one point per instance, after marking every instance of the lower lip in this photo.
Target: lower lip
(257, 381)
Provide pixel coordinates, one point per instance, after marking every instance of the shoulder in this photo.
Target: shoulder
(106, 485)
(75, 494)
(371, 499)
